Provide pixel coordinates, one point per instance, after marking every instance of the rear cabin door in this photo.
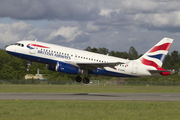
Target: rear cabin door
(134, 68)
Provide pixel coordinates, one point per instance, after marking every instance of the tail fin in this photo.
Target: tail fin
(156, 55)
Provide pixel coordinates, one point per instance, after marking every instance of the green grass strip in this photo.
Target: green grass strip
(87, 89)
(88, 110)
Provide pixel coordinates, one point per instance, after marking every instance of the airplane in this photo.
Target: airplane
(78, 62)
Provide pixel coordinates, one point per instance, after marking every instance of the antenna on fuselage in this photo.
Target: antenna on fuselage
(35, 39)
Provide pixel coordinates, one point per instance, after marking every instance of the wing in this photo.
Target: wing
(94, 66)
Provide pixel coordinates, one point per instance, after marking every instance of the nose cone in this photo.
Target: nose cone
(8, 48)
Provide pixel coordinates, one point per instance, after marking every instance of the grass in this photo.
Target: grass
(88, 110)
(9, 88)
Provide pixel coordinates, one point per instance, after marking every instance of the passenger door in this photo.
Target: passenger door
(32, 48)
(134, 68)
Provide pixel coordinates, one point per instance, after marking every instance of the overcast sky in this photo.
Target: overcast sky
(114, 24)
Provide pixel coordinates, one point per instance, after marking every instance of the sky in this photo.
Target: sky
(114, 24)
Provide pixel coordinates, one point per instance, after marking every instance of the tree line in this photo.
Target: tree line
(172, 60)
(13, 68)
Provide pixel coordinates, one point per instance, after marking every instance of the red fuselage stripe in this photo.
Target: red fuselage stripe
(35, 45)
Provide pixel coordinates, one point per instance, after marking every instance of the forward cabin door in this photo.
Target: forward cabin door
(32, 48)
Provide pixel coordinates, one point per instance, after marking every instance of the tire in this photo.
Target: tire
(86, 80)
(78, 79)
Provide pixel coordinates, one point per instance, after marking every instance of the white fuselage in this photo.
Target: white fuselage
(51, 54)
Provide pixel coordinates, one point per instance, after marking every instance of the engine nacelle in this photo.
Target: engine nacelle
(65, 68)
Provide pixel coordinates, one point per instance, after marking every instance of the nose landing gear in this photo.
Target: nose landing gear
(28, 66)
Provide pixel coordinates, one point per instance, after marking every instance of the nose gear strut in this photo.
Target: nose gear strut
(28, 66)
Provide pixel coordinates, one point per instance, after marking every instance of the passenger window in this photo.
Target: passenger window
(22, 45)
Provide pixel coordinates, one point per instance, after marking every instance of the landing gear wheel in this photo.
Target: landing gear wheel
(78, 79)
(28, 66)
(86, 80)
(27, 69)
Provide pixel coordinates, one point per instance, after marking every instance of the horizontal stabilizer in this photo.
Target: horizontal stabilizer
(157, 72)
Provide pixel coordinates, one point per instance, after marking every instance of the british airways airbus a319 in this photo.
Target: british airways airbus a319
(78, 62)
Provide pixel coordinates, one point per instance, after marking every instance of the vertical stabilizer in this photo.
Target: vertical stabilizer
(156, 55)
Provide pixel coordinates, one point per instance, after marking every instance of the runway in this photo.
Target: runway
(93, 96)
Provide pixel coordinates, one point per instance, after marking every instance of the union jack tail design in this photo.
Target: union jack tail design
(156, 55)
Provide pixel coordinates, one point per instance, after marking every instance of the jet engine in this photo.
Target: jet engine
(65, 68)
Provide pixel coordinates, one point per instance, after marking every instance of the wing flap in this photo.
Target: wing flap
(94, 66)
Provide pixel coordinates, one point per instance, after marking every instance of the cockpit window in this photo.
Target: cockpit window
(19, 44)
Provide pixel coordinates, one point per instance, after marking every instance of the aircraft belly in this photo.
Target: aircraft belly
(111, 72)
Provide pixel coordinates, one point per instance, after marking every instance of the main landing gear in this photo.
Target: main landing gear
(85, 79)
(79, 79)
(28, 66)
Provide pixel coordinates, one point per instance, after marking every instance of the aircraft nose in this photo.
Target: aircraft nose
(9, 48)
